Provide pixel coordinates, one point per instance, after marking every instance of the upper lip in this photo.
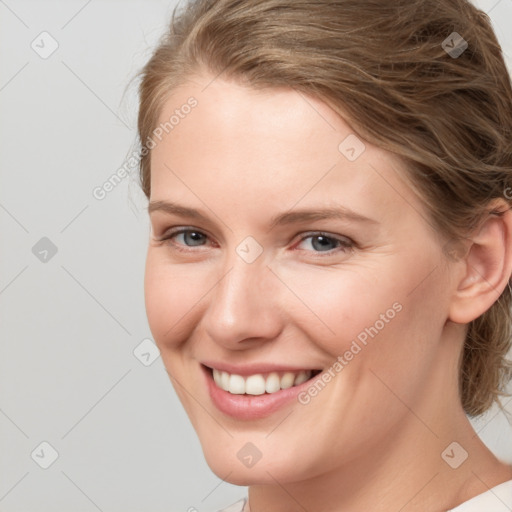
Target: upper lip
(254, 368)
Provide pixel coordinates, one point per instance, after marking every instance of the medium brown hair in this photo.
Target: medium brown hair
(394, 69)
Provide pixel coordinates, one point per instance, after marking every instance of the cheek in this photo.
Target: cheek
(172, 293)
(336, 306)
(378, 313)
(155, 293)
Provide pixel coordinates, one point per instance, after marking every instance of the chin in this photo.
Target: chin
(230, 469)
(248, 477)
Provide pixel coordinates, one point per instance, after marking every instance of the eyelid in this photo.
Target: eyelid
(327, 234)
(346, 243)
(172, 232)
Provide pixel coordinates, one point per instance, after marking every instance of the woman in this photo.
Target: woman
(328, 268)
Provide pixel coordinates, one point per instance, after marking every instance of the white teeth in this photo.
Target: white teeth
(273, 383)
(236, 385)
(255, 385)
(301, 377)
(287, 380)
(224, 380)
(258, 384)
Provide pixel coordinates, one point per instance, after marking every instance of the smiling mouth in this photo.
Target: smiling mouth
(260, 383)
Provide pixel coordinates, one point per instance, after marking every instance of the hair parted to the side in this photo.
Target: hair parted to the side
(449, 119)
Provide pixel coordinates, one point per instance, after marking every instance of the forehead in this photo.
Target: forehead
(277, 144)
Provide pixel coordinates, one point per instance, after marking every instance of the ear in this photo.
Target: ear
(487, 265)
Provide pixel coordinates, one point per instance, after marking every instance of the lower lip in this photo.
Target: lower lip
(250, 407)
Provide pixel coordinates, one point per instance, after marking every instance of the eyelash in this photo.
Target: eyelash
(345, 243)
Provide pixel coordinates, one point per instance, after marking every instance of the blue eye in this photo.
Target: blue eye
(326, 243)
(195, 237)
(320, 242)
(190, 238)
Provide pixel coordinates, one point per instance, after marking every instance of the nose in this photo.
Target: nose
(243, 306)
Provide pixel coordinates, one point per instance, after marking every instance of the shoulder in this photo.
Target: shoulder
(496, 499)
(235, 507)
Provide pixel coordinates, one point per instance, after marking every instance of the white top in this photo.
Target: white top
(496, 499)
(236, 507)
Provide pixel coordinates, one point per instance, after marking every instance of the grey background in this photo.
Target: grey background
(71, 321)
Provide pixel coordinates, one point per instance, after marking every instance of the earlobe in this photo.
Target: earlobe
(487, 264)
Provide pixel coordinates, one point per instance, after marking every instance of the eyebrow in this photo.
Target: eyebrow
(289, 217)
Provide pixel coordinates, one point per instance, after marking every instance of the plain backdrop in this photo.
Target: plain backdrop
(88, 417)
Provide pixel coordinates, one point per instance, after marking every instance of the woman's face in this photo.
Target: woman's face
(358, 291)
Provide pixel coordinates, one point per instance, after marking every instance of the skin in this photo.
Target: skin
(372, 439)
